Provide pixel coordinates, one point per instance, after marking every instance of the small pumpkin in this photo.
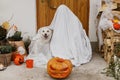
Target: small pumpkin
(59, 68)
(19, 59)
(116, 26)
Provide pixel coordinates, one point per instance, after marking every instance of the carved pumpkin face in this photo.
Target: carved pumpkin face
(59, 68)
(19, 59)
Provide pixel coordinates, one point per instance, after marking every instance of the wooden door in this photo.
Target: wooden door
(47, 8)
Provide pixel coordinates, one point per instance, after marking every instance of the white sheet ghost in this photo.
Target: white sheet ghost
(69, 39)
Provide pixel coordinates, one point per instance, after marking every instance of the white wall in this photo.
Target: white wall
(24, 14)
(94, 8)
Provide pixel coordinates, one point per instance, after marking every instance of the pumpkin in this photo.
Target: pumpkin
(59, 68)
(116, 26)
(19, 59)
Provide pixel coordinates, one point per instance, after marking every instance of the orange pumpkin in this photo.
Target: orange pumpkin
(59, 68)
(19, 59)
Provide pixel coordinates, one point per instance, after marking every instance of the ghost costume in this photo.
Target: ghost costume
(69, 40)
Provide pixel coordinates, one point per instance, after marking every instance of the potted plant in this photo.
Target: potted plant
(6, 52)
(16, 38)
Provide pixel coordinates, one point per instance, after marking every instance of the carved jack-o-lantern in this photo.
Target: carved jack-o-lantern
(19, 59)
(59, 68)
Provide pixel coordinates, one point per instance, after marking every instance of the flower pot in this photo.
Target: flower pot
(18, 44)
(5, 59)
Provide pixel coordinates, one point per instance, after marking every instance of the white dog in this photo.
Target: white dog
(39, 49)
(44, 35)
(42, 39)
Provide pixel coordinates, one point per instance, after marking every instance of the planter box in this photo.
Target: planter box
(5, 59)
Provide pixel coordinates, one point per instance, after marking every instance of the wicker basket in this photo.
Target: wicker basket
(110, 37)
(5, 59)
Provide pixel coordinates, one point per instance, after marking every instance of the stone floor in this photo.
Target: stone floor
(88, 71)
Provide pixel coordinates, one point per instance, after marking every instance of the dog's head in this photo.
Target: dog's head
(45, 33)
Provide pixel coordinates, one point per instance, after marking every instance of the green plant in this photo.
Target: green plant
(3, 33)
(113, 70)
(5, 47)
(16, 36)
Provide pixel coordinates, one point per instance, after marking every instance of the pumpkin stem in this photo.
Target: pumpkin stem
(60, 60)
